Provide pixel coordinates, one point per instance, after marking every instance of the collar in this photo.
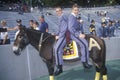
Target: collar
(60, 15)
(42, 22)
(74, 14)
(4, 27)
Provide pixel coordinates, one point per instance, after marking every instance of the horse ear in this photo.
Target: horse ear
(22, 27)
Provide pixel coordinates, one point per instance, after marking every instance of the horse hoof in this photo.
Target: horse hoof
(58, 70)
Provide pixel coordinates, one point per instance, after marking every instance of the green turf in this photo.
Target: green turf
(79, 73)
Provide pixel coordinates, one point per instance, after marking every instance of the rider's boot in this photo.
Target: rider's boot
(86, 65)
(58, 70)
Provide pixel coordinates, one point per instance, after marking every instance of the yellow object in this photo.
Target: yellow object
(74, 55)
(51, 77)
(103, 19)
(93, 43)
(97, 76)
(104, 77)
(92, 29)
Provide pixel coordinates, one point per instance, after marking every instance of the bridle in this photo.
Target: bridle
(42, 40)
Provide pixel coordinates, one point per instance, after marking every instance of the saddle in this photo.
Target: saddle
(70, 49)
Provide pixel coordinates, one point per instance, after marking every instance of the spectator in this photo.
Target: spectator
(103, 19)
(31, 9)
(110, 29)
(20, 9)
(88, 17)
(25, 7)
(98, 13)
(31, 22)
(17, 27)
(35, 25)
(19, 24)
(3, 30)
(116, 24)
(4, 38)
(44, 26)
(102, 30)
(92, 28)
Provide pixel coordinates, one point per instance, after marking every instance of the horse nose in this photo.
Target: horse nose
(16, 50)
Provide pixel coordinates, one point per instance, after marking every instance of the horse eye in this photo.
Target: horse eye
(19, 36)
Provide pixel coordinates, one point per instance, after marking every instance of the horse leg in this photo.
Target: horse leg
(50, 67)
(104, 73)
(97, 75)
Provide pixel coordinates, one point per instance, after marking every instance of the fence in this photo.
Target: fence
(29, 65)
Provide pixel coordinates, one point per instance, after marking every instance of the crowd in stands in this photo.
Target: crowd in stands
(101, 13)
(35, 25)
(106, 30)
(4, 38)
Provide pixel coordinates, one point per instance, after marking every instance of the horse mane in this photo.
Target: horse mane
(35, 35)
(36, 31)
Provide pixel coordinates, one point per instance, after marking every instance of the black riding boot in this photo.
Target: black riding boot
(86, 65)
(58, 70)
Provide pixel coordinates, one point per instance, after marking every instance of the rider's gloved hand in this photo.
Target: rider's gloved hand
(82, 35)
(56, 37)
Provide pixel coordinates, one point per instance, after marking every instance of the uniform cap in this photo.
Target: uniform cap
(18, 20)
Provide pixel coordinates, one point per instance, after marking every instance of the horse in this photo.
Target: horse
(44, 43)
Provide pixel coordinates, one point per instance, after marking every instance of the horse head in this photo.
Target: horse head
(21, 41)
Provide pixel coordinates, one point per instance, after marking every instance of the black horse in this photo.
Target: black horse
(44, 43)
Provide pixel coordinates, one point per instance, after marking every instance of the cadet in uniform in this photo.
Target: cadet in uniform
(61, 39)
(92, 28)
(103, 30)
(77, 36)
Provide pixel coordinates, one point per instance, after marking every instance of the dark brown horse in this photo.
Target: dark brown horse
(44, 43)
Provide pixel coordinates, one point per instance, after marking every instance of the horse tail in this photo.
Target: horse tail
(103, 67)
(103, 52)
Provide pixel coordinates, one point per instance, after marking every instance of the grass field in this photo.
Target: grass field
(78, 73)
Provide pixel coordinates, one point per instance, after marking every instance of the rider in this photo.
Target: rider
(77, 36)
(61, 39)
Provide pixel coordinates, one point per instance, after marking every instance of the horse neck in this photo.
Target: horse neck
(33, 37)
